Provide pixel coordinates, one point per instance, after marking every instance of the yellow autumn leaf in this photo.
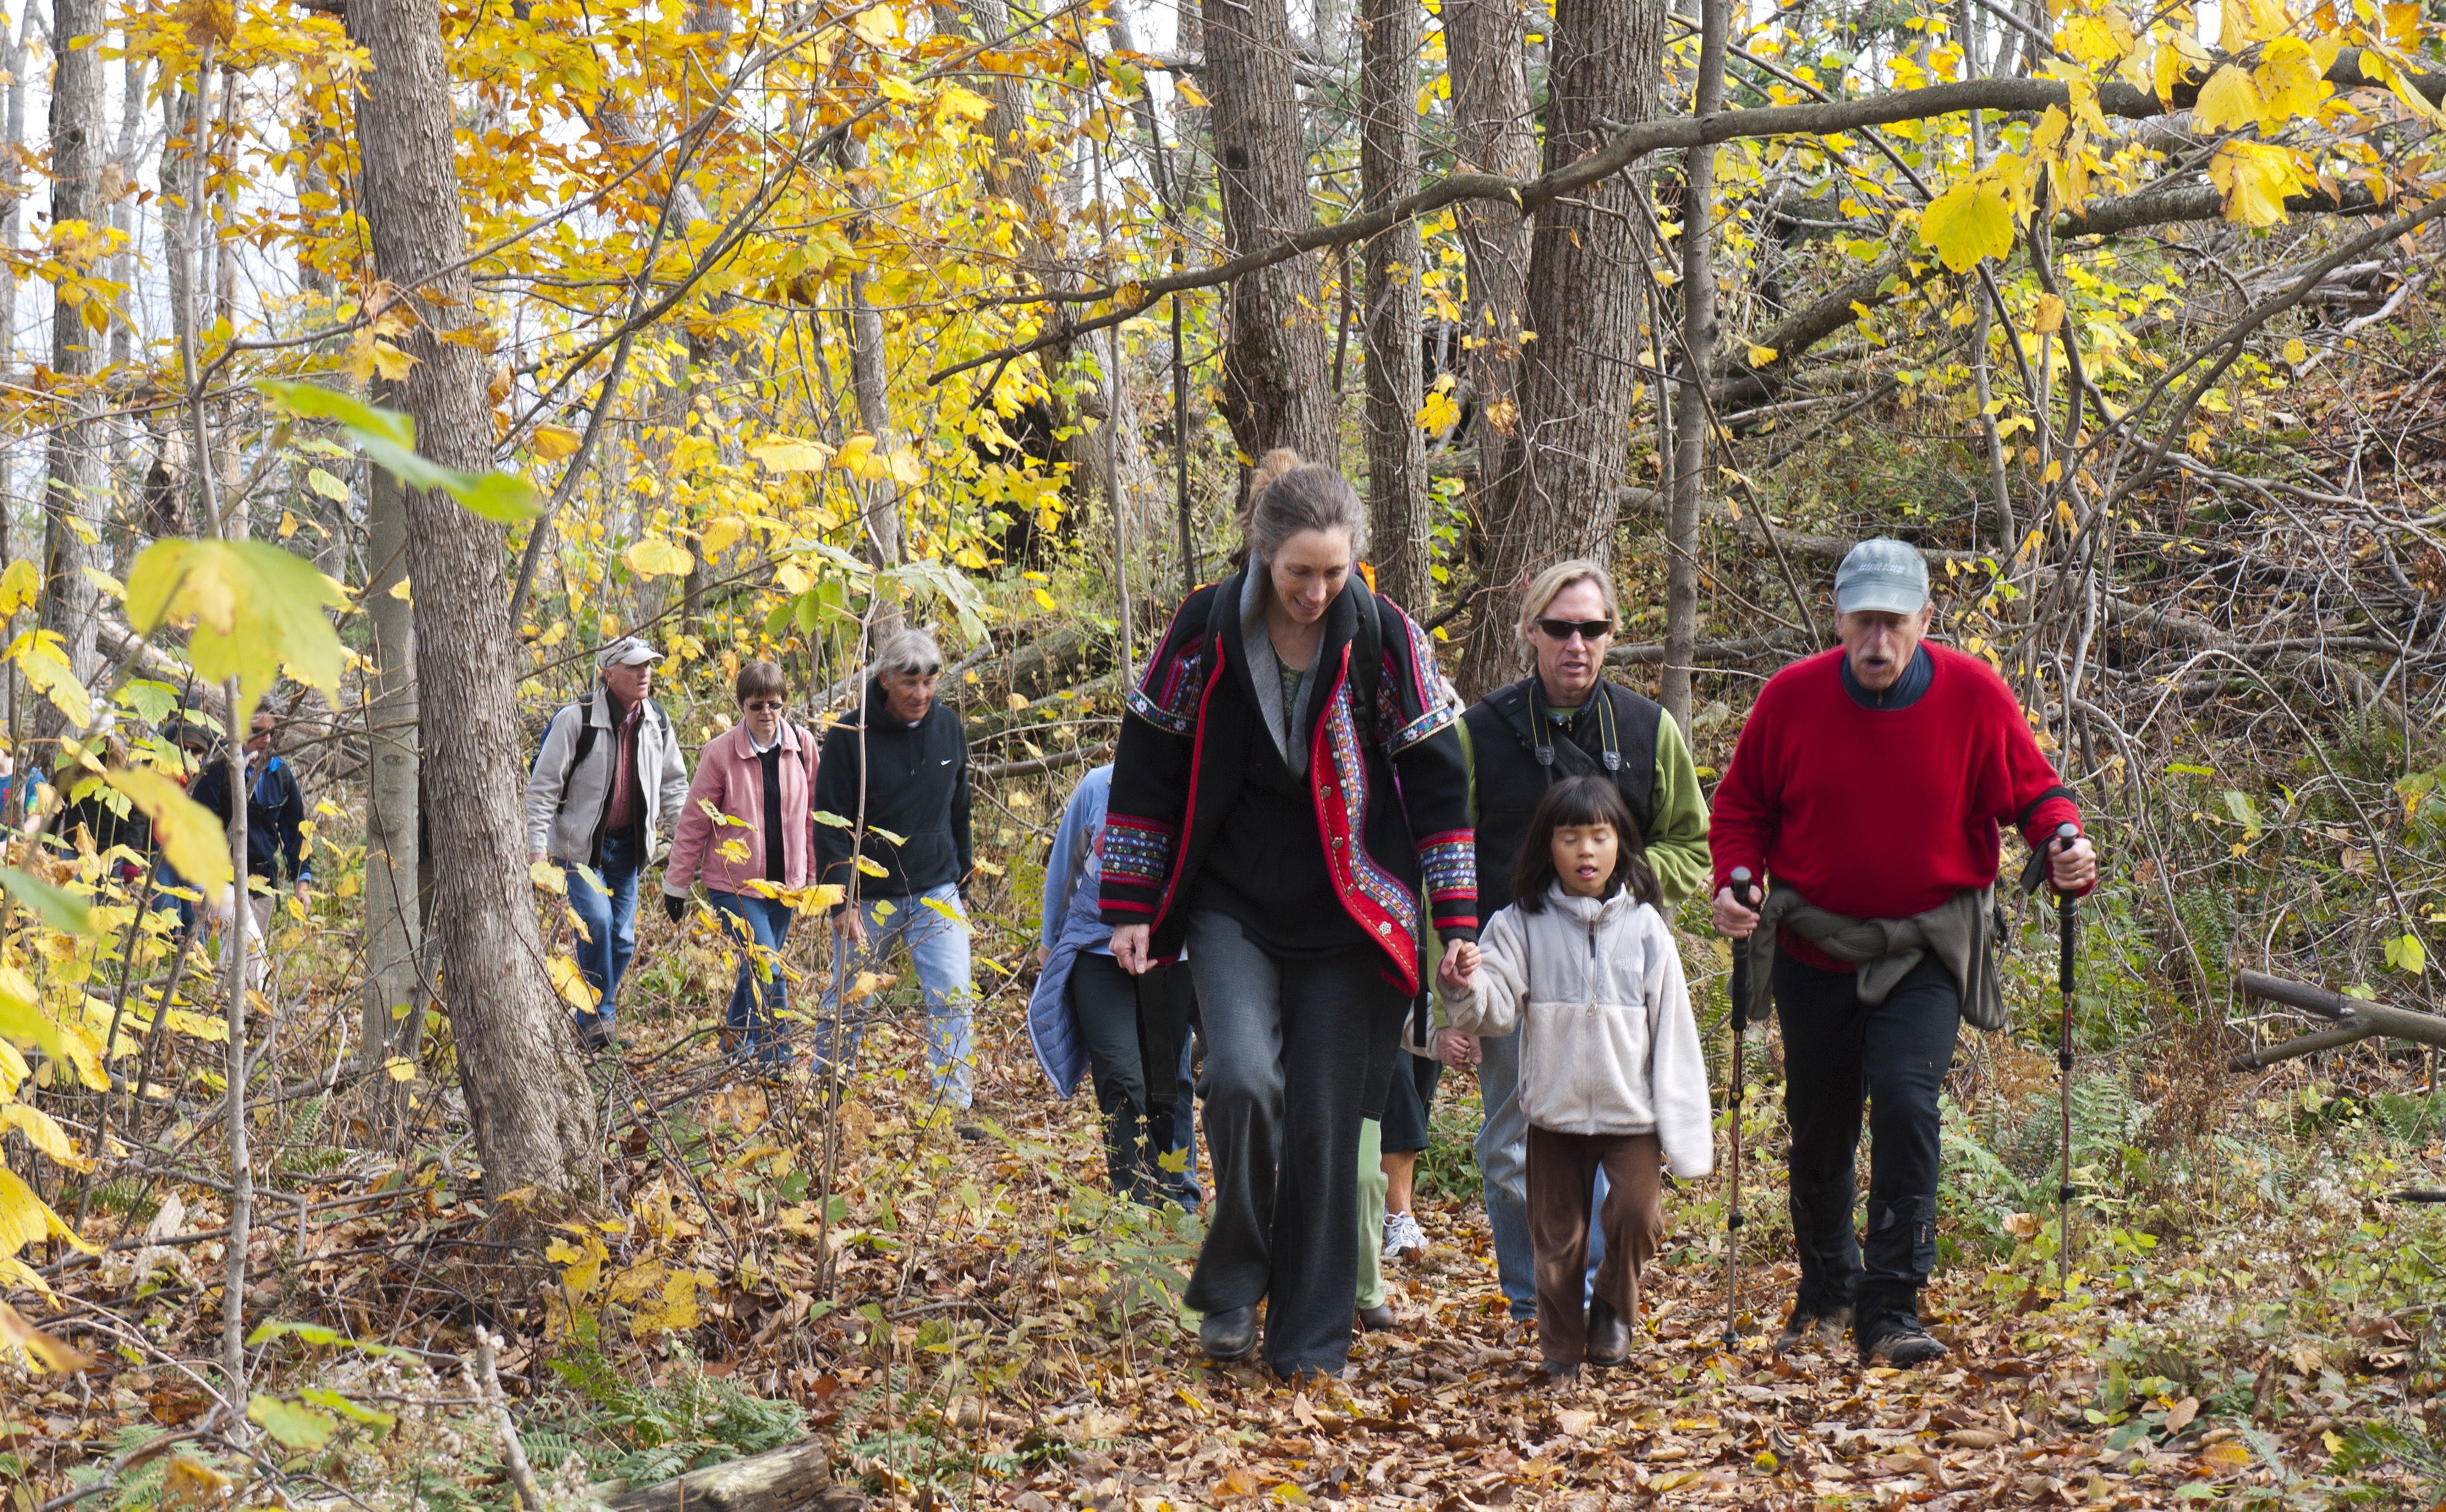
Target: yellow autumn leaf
(878, 25)
(553, 442)
(789, 454)
(547, 876)
(191, 839)
(20, 585)
(2255, 179)
(655, 556)
(43, 1132)
(2167, 71)
(2094, 40)
(2295, 352)
(2228, 102)
(1761, 357)
(1188, 94)
(2048, 316)
(43, 657)
(857, 455)
(571, 983)
(867, 985)
(47, 1353)
(2290, 82)
(26, 1218)
(1968, 223)
(967, 103)
(908, 469)
(720, 535)
(2228, 1455)
(399, 1068)
(256, 611)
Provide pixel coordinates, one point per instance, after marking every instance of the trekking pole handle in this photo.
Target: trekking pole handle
(2066, 834)
(1742, 893)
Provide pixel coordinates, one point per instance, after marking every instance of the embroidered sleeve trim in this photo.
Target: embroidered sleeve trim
(1136, 852)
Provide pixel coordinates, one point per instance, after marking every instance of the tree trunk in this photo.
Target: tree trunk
(1554, 493)
(12, 186)
(1276, 392)
(75, 491)
(1486, 53)
(871, 392)
(1690, 418)
(394, 923)
(526, 1097)
(1388, 169)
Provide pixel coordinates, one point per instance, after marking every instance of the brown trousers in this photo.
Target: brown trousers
(1562, 1172)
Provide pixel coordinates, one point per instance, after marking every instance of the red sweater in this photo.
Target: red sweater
(1881, 813)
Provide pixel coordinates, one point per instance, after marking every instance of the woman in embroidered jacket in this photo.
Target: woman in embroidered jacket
(1288, 776)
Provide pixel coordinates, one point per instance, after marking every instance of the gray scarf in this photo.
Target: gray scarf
(1960, 932)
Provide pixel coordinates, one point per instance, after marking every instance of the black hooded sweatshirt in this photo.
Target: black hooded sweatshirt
(916, 787)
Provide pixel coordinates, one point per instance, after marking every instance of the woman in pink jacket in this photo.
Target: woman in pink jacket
(748, 831)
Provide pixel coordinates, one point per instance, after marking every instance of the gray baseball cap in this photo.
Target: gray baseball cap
(628, 651)
(1882, 575)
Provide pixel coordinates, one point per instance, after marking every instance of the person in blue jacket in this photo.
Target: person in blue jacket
(275, 824)
(1084, 1017)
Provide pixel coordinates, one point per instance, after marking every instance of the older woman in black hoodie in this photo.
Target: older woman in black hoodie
(1288, 779)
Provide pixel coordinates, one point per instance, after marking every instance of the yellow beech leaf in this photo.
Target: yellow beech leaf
(571, 983)
(20, 585)
(553, 442)
(2228, 1455)
(878, 25)
(47, 1353)
(657, 558)
(191, 839)
(2228, 101)
(2290, 82)
(43, 1132)
(1189, 95)
(547, 876)
(1968, 222)
(967, 103)
(908, 469)
(2255, 179)
(857, 455)
(720, 535)
(2048, 316)
(26, 1218)
(43, 657)
(256, 611)
(789, 454)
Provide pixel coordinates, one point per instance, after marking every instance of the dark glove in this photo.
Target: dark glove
(675, 906)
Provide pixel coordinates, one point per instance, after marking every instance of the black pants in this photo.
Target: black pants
(1137, 1131)
(1836, 1050)
(1288, 1048)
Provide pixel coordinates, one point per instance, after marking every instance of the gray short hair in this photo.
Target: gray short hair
(1290, 494)
(912, 654)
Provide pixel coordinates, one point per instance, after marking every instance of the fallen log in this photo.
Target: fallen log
(795, 1478)
(2354, 1018)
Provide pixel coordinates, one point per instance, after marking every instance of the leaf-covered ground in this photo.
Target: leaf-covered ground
(2250, 1320)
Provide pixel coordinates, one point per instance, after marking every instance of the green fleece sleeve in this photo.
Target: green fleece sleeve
(1677, 849)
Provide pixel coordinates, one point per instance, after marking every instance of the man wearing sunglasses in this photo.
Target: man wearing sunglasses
(1563, 720)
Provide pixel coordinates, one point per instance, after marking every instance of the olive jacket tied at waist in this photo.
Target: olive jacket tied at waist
(1962, 933)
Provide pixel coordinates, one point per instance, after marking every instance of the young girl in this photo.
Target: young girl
(1584, 966)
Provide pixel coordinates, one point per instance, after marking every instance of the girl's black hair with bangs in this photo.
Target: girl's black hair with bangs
(1576, 803)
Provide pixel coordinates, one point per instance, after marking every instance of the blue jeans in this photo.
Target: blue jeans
(936, 939)
(761, 927)
(611, 919)
(1503, 1171)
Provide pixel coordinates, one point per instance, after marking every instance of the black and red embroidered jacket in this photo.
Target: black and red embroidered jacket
(1390, 793)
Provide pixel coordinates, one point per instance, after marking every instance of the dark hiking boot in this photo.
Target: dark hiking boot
(1901, 1343)
(1808, 1330)
(1229, 1336)
(1609, 1336)
(1377, 1319)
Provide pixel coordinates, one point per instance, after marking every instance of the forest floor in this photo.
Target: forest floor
(2251, 1324)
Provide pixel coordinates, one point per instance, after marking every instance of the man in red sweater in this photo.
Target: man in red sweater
(1869, 787)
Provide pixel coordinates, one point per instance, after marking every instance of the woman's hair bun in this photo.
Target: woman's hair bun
(1271, 466)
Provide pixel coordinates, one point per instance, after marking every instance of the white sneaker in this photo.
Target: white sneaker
(1403, 1235)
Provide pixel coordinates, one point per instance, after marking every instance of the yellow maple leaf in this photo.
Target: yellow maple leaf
(1968, 222)
(46, 1351)
(2228, 101)
(878, 25)
(2256, 178)
(571, 983)
(966, 104)
(789, 454)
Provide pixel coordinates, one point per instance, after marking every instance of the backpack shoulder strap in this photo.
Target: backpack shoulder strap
(1636, 723)
(1367, 655)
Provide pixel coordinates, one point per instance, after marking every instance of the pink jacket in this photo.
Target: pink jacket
(729, 777)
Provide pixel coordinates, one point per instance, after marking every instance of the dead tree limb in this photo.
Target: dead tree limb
(2354, 1018)
(796, 1478)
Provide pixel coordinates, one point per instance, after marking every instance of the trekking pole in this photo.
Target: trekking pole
(1740, 994)
(2066, 906)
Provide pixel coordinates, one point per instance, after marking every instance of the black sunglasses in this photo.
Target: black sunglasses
(760, 704)
(1566, 629)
